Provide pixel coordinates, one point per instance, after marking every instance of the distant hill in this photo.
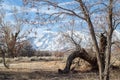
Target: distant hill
(55, 41)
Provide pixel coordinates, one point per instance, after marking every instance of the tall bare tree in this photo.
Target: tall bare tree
(87, 11)
(12, 34)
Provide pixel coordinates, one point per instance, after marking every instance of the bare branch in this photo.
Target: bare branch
(116, 22)
(70, 12)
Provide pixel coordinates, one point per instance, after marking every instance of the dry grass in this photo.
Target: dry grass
(46, 70)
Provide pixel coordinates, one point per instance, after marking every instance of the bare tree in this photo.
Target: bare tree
(27, 49)
(85, 11)
(12, 35)
(71, 36)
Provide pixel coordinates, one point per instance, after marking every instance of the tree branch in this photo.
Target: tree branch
(70, 12)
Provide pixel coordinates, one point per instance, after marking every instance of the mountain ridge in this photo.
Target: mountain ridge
(56, 41)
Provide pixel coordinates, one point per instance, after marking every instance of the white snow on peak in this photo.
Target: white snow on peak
(49, 40)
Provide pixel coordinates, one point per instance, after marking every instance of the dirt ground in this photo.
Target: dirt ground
(46, 70)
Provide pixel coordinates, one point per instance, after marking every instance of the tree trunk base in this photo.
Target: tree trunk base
(83, 54)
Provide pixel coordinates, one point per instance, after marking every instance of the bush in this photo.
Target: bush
(58, 54)
(27, 51)
(34, 58)
(43, 53)
(1, 60)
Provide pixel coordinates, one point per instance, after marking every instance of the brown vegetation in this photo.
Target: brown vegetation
(47, 70)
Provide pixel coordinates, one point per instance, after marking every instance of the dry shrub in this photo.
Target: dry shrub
(80, 65)
(58, 54)
(43, 53)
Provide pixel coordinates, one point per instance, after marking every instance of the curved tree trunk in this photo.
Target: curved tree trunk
(4, 62)
(3, 56)
(83, 55)
(87, 56)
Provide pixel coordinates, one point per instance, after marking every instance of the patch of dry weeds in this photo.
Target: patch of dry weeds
(46, 70)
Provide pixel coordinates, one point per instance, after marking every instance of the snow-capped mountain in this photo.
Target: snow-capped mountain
(116, 35)
(49, 40)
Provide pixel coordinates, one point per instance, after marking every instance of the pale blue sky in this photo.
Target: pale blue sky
(79, 25)
(11, 4)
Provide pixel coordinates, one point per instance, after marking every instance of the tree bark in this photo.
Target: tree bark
(109, 40)
(102, 47)
(3, 56)
(83, 54)
(92, 32)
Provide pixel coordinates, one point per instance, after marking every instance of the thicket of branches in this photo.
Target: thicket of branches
(101, 13)
(100, 16)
